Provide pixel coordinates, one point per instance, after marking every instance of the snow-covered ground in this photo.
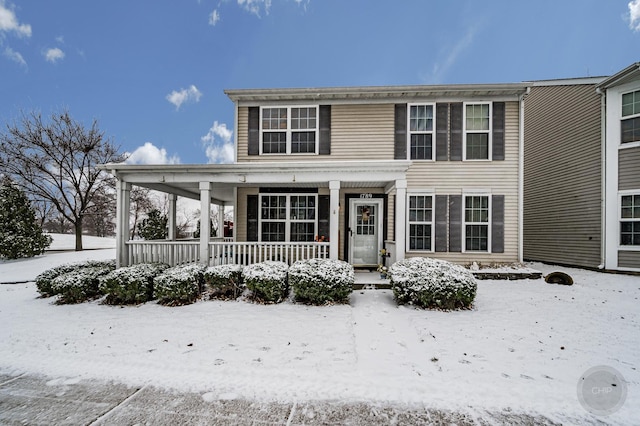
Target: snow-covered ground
(522, 348)
(68, 242)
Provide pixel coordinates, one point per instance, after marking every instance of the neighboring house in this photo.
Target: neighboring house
(345, 172)
(582, 171)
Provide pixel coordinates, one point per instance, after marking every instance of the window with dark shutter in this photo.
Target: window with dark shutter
(497, 224)
(455, 223)
(498, 131)
(252, 218)
(441, 223)
(254, 131)
(442, 132)
(400, 136)
(456, 132)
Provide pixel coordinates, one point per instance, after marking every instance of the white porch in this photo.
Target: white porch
(219, 184)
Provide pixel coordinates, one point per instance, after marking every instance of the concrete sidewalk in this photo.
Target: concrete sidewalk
(36, 400)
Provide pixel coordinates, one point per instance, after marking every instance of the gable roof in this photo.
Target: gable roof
(630, 73)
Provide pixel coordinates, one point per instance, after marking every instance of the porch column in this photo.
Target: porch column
(334, 206)
(172, 217)
(205, 214)
(401, 220)
(123, 203)
(220, 220)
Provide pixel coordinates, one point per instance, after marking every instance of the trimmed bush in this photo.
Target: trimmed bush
(267, 281)
(321, 281)
(179, 285)
(432, 283)
(45, 279)
(224, 281)
(79, 285)
(131, 284)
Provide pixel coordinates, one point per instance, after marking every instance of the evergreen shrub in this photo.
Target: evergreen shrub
(224, 281)
(267, 281)
(44, 280)
(180, 285)
(321, 281)
(131, 284)
(79, 285)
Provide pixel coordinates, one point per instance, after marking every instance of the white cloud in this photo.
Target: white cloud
(9, 22)
(53, 55)
(634, 15)
(14, 56)
(255, 6)
(214, 18)
(192, 94)
(219, 144)
(150, 154)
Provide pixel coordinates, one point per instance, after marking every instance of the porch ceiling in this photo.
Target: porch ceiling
(184, 180)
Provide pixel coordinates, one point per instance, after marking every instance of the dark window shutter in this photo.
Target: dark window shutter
(400, 136)
(497, 224)
(456, 132)
(498, 131)
(442, 132)
(455, 223)
(441, 223)
(252, 218)
(325, 129)
(323, 216)
(254, 131)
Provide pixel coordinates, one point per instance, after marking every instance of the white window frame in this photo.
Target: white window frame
(289, 131)
(432, 223)
(628, 117)
(465, 131)
(431, 132)
(629, 247)
(465, 223)
(288, 220)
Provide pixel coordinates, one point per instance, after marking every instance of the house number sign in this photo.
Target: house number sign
(367, 195)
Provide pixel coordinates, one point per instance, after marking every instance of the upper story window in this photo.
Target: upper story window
(477, 131)
(289, 130)
(630, 220)
(421, 125)
(630, 125)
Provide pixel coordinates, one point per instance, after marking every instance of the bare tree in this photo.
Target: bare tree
(141, 203)
(56, 161)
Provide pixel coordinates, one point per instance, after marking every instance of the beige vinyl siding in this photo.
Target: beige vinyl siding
(629, 259)
(629, 168)
(495, 177)
(562, 175)
(358, 132)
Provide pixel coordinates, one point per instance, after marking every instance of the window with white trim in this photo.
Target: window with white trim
(288, 217)
(630, 124)
(420, 232)
(421, 125)
(476, 222)
(630, 220)
(477, 131)
(289, 130)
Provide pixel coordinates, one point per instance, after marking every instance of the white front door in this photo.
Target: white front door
(365, 231)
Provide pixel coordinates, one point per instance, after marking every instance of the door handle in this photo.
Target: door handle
(350, 232)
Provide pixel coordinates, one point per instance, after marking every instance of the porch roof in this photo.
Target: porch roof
(184, 179)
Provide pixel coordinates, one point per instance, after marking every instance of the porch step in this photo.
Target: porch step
(366, 279)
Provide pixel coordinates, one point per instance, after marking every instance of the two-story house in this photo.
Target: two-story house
(345, 172)
(582, 171)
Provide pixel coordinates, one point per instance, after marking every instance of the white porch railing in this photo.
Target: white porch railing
(247, 253)
(222, 251)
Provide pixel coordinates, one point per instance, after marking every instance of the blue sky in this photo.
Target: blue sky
(153, 72)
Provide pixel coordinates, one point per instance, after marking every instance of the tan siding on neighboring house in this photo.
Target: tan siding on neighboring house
(496, 177)
(629, 168)
(629, 259)
(562, 175)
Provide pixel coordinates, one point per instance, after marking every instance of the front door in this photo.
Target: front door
(365, 231)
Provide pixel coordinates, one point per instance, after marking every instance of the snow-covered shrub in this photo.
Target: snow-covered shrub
(224, 281)
(267, 281)
(131, 284)
(179, 285)
(321, 281)
(432, 283)
(45, 279)
(79, 285)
